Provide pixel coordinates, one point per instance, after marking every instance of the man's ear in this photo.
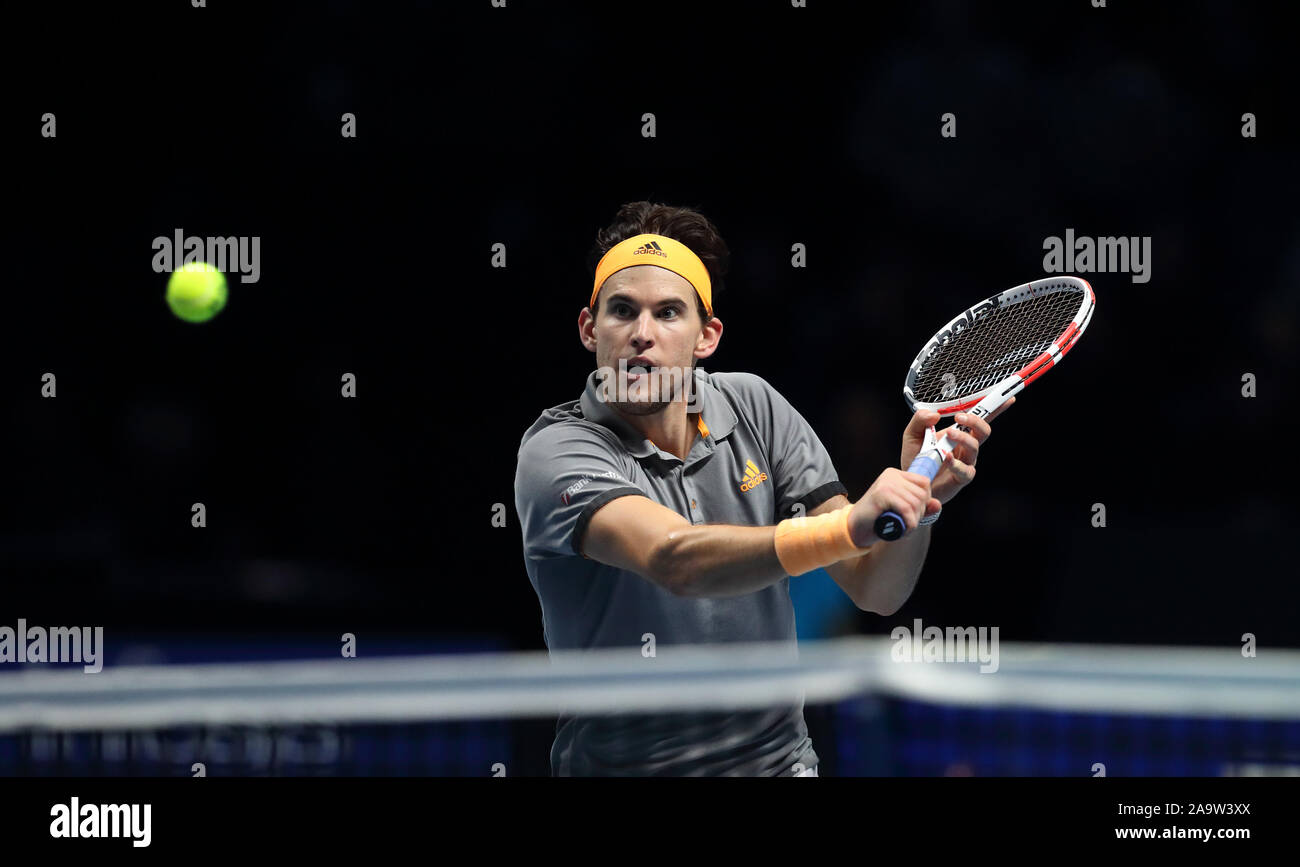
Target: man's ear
(710, 333)
(587, 329)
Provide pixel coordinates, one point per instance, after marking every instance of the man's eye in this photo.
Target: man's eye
(621, 309)
(672, 310)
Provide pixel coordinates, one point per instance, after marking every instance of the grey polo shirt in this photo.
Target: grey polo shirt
(753, 459)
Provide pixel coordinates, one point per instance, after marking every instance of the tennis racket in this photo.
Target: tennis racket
(986, 355)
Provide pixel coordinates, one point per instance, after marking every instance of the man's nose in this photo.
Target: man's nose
(644, 332)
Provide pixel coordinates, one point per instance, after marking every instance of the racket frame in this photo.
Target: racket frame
(1011, 384)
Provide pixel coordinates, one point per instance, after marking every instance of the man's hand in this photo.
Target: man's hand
(908, 494)
(959, 469)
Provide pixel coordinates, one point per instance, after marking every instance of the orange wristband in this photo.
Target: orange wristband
(805, 544)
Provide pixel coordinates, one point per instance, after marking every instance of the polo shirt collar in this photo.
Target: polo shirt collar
(719, 418)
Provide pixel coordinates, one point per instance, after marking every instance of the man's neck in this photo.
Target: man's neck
(672, 429)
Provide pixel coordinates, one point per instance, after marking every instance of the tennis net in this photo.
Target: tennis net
(1056, 710)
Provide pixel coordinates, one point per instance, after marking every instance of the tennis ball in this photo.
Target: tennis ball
(196, 292)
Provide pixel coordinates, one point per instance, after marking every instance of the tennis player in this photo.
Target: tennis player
(669, 505)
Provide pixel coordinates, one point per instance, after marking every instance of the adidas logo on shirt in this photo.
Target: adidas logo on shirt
(753, 477)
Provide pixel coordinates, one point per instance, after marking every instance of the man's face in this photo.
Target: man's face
(649, 322)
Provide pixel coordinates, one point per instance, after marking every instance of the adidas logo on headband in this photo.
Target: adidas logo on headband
(652, 248)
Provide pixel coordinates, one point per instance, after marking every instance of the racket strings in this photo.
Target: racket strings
(978, 356)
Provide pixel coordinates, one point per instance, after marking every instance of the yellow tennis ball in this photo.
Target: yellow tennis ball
(196, 292)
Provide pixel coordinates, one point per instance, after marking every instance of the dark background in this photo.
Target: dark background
(522, 126)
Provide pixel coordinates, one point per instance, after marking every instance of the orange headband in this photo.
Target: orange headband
(656, 250)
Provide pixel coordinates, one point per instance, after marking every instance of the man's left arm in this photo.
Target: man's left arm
(882, 579)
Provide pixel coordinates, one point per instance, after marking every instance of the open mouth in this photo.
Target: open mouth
(639, 370)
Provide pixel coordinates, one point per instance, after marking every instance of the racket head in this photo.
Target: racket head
(1004, 342)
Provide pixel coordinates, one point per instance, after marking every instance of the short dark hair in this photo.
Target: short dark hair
(686, 225)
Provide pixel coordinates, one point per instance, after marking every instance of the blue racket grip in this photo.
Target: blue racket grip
(890, 525)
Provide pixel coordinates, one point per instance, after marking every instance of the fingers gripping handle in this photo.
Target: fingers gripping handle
(890, 525)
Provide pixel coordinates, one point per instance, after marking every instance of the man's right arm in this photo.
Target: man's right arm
(702, 560)
(719, 560)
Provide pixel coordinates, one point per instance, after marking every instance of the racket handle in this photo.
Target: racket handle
(890, 525)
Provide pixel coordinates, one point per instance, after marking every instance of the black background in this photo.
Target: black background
(522, 126)
(304, 817)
